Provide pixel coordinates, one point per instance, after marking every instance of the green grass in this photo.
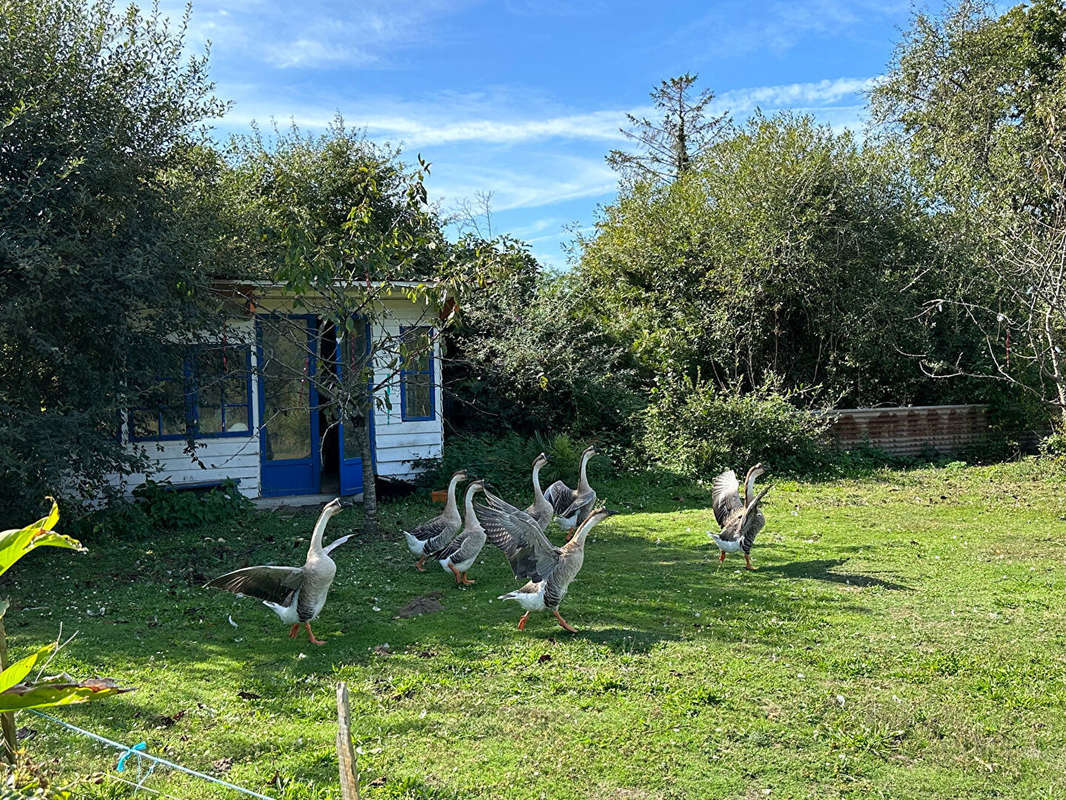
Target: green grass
(902, 637)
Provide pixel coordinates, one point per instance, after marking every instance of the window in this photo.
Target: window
(204, 392)
(416, 374)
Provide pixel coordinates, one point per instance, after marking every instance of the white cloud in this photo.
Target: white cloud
(457, 119)
(550, 180)
(316, 33)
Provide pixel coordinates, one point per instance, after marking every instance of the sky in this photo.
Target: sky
(522, 99)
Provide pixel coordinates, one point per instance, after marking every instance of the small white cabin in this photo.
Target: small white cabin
(245, 400)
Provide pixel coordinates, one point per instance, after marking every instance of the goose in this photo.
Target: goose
(555, 567)
(459, 554)
(447, 523)
(541, 510)
(740, 521)
(572, 506)
(295, 594)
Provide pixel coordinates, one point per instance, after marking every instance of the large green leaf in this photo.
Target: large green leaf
(15, 543)
(58, 691)
(18, 671)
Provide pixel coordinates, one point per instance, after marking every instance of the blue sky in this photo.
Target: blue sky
(523, 98)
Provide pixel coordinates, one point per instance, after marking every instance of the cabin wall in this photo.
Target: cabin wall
(400, 444)
(216, 458)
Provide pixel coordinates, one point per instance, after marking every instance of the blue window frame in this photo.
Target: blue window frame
(417, 400)
(205, 392)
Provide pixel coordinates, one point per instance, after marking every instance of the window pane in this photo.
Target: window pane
(286, 395)
(210, 419)
(236, 419)
(173, 418)
(417, 396)
(209, 375)
(417, 346)
(145, 424)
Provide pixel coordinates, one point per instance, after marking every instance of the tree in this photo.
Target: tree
(978, 100)
(668, 147)
(528, 354)
(342, 226)
(787, 250)
(101, 257)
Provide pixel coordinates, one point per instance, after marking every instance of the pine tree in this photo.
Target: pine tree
(669, 146)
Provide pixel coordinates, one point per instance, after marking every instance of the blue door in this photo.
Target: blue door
(288, 406)
(354, 348)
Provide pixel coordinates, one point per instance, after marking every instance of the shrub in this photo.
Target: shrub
(696, 430)
(161, 506)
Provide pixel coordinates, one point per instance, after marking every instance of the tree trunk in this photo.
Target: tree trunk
(370, 494)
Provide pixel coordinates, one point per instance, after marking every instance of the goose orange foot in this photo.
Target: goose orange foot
(311, 637)
(467, 581)
(294, 630)
(419, 563)
(522, 622)
(566, 625)
(747, 562)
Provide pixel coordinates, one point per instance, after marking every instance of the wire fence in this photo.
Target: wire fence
(134, 766)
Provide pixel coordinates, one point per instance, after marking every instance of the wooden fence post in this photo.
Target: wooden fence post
(345, 751)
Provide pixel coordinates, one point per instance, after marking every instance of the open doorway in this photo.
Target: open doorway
(330, 444)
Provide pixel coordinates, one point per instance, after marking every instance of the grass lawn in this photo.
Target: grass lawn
(902, 637)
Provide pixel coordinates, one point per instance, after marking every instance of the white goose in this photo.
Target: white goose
(295, 594)
(740, 521)
(447, 524)
(572, 506)
(459, 554)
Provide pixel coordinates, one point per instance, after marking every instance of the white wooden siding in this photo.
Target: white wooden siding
(401, 443)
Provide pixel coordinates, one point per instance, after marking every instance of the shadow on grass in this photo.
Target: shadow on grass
(825, 569)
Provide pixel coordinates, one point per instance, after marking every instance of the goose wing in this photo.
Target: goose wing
(561, 497)
(519, 536)
(725, 497)
(336, 543)
(271, 584)
(581, 507)
(435, 527)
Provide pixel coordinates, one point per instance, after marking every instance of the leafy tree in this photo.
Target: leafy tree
(101, 121)
(978, 99)
(669, 146)
(788, 250)
(530, 355)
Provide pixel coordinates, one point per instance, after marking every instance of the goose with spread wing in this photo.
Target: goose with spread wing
(458, 554)
(493, 515)
(572, 506)
(295, 594)
(441, 528)
(740, 521)
(554, 568)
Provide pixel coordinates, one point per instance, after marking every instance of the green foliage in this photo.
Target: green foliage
(101, 115)
(15, 693)
(976, 98)
(788, 250)
(170, 508)
(697, 430)
(530, 353)
(16, 543)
